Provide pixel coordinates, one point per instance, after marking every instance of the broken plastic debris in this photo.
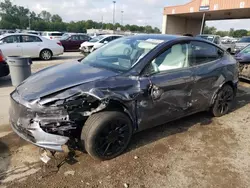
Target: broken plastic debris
(44, 157)
(126, 185)
(72, 173)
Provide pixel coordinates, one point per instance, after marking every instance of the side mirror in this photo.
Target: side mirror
(1, 42)
(106, 42)
(69, 39)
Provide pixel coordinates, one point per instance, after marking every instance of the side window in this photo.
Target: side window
(27, 38)
(84, 37)
(108, 39)
(176, 57)
(217, 40)
(11, 39)
(75, 37)
(203, 53)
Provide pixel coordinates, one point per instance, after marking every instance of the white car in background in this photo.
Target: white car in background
(53, 35)
(97, 42)
(21, 44)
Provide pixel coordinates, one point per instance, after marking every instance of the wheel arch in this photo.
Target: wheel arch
(230, 83)
(46, 49)
(119, 106)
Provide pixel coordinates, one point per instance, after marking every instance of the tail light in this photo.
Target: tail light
(51, 37)
(2, 58)
(59, 43)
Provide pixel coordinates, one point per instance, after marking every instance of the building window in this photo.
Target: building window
(242, 4)
(173, 11)
(191, 9)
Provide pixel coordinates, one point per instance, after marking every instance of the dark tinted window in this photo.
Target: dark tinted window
(84, 37)
(108, 39)
(75, 37)
(203, 53)
(11, 39)
(245, 39)
(27, 38)
(56, 34)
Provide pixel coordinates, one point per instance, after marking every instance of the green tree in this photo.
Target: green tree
(46, 16)
(56, 18)
(209, 30)
(240, 33)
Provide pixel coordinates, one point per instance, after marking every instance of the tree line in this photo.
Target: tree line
(232, 33)
(19, 17)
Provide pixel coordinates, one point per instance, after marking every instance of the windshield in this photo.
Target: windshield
(121, 54)
(96, 39)
(207, 37)
(246, 50)
(245, 39)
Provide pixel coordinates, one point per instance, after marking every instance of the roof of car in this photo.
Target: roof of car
(110, 35)
(11, 34)
(155, 36)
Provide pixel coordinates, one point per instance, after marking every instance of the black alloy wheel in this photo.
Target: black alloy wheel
(107, 134)
(224, 101)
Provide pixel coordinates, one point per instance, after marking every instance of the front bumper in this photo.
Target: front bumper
(86, 49)
(22, 123)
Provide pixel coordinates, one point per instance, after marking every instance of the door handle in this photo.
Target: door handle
(18, 46)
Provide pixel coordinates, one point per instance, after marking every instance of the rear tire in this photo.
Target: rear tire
(224, 101)
(106, 134)
(46, 55)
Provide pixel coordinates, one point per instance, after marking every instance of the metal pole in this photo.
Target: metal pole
(29, 24)
(202, 24)
(122, 17)
(102, 23)
(114, 15)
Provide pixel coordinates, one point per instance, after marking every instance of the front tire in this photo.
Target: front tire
(224, 101)
(106, 134)
(46, 55)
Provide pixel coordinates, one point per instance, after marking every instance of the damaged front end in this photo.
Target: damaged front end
(52, 121)
(244, 71)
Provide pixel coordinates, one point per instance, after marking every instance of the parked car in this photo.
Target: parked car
(34, 46)
(97, 42)
(242, 43)
(73, 41)
(243, 57)
(53, 35)
(131, 84)
(4, 68)
(216, 39)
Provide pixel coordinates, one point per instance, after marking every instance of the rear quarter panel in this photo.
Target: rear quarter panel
(53, 46)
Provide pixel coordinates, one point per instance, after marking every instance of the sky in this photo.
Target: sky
(139, 12)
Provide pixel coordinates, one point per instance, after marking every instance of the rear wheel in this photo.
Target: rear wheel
(106, 134)
(46, 55)
(224, 101)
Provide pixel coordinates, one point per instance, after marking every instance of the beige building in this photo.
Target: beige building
(190, 18)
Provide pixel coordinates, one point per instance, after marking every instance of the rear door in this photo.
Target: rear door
(206, 62)
(11, 45)
(31, 45)
(76, 42)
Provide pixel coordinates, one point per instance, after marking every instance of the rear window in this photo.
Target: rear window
(56, 34)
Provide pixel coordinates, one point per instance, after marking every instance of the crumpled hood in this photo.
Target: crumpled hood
(60, 77)
(88, 44)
